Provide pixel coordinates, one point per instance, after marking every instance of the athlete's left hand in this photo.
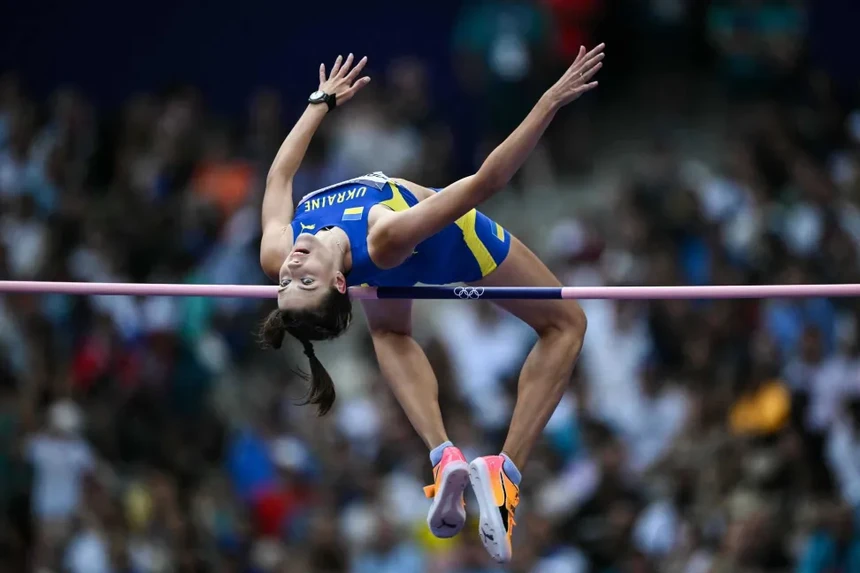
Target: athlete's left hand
(342, 80)
(577, 79)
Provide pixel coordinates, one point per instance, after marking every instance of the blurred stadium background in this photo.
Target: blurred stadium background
(150, 435)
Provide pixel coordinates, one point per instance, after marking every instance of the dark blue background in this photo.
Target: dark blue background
(225, 48)
(834, 41)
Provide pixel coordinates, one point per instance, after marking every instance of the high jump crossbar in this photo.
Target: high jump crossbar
(444, 292)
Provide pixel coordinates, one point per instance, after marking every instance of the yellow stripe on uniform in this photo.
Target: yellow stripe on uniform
(470, 236)
(500, 233)
(397, 202)
(353, 211)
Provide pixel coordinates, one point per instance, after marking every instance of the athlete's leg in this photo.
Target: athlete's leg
(405, 366)
(407, 370)
(560, 325)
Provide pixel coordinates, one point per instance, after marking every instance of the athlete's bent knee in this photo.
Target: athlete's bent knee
(569, 319)
(576, 319)
(567, 327)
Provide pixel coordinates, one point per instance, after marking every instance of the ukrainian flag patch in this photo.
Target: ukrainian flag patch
(352, 214)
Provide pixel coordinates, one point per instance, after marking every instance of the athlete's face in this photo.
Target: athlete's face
(308, 272)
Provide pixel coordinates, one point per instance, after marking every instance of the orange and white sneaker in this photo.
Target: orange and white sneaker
(450, 476)
(498, 498)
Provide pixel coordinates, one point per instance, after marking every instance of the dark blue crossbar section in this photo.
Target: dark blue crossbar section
(470, 292)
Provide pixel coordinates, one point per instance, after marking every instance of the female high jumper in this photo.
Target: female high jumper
(382, 231)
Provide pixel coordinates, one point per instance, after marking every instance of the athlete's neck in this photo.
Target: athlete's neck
(335, 239)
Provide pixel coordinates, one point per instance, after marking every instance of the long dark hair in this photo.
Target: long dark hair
(325, 322)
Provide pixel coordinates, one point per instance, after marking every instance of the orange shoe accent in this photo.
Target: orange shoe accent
(447, 515)
(498, 498)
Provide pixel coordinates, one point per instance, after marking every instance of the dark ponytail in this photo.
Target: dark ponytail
(321, 392)
(326, 322)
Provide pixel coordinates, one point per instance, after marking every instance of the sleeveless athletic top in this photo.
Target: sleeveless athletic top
(464, 251)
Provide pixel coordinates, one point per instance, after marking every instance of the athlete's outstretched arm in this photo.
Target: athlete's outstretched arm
(278, 198)
(412, 226)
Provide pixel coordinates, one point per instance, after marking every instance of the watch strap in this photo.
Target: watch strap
(329, 99)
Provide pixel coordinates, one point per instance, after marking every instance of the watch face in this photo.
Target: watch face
(317, 95)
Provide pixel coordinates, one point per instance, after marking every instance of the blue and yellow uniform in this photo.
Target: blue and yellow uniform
(464, 251)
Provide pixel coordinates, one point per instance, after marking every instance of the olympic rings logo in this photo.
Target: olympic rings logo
(468, 292)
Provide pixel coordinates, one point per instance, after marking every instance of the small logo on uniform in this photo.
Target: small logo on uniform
(307, 227)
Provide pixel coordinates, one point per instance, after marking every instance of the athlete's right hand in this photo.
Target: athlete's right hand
(342, 80)
(575, 80)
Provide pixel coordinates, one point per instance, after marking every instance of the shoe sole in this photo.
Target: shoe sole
(491, 527)
(447, 515)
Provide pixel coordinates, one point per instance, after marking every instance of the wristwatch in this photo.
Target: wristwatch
(321, 97)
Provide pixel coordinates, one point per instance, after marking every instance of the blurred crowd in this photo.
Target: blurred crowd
(151, 435)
